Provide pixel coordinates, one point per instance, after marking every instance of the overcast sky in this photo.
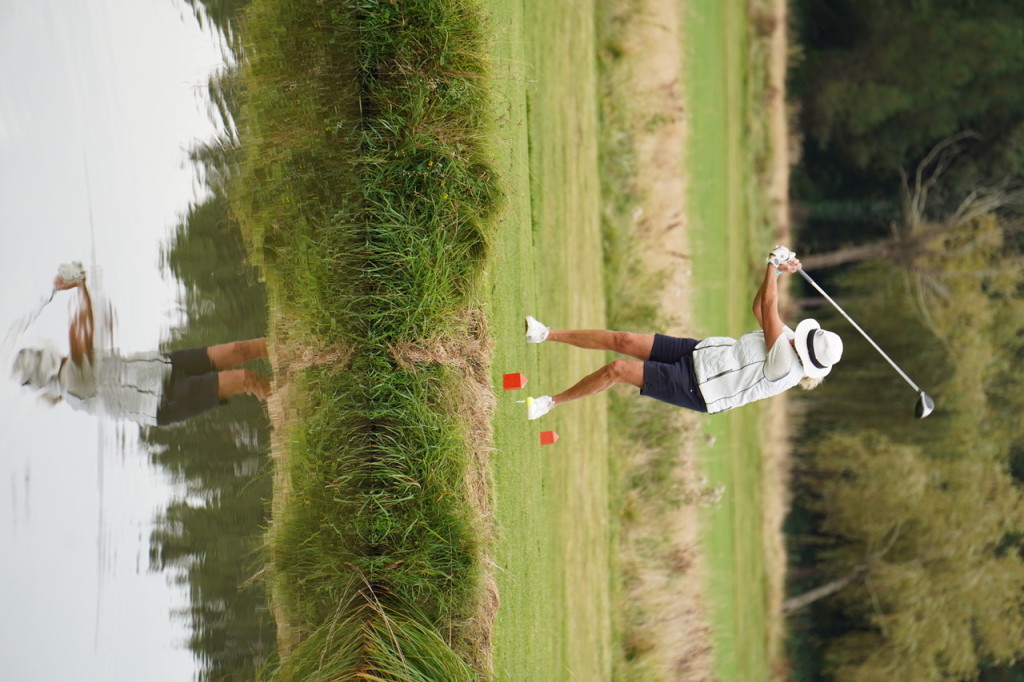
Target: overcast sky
(99, 101)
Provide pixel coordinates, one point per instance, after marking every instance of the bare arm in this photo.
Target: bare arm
(759, 297)
(766, 302)
(80, 331)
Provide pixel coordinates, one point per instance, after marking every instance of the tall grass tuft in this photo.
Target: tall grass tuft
(367, 642)
(367, 194)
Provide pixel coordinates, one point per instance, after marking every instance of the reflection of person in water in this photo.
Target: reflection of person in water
(151, 388)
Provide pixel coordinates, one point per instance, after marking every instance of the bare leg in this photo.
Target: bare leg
(232, 354)
(618, 372)
(635, 345)
(235, 381)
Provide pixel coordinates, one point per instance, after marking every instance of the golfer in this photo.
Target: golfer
(712, 375)
(150, 388)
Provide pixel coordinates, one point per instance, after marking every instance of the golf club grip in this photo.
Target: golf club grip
(857, 327)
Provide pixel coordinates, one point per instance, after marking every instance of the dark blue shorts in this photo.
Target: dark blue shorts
(669, 375)
(191, 389)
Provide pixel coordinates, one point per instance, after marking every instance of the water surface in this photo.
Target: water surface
(99, 103)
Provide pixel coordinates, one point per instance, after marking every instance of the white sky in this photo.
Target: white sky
(112, 89)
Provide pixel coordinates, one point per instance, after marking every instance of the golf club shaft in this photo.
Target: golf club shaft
(857, 327)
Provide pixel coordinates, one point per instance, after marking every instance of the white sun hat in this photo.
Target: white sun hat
(818, 349)
(37, 367)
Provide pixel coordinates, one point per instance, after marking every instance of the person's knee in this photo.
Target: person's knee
(234, 381)
(618, 370)
(256, 384)
(622, 342)
(626, 372)
(224, 355)
(233, 353)
(239, 351)
(245, 350)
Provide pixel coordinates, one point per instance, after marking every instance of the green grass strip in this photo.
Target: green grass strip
(366, 191)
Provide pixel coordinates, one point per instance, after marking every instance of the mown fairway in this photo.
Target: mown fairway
(555, 546)
(725, 244)
(552, 503)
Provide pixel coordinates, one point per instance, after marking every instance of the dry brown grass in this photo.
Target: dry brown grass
(667, 633)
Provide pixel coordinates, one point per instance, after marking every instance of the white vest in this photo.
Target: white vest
(126, 388)
(733, 372)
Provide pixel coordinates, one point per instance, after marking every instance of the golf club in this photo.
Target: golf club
(925, 404)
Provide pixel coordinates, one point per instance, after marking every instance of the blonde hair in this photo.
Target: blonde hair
(811, 383)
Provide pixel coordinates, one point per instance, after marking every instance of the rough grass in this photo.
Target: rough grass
(366, 192)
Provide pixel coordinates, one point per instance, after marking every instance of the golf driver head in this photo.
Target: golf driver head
(925, 405)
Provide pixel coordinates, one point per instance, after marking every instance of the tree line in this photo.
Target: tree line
(906, 536)
(209, 539)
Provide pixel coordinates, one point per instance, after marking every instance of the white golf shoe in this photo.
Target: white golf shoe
(535, 331)
(538, 407)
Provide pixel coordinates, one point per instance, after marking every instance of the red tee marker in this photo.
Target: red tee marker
(512, 382)
(548, 437)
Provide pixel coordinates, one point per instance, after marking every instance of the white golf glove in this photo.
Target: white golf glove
(780, 255)
(71, 272)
